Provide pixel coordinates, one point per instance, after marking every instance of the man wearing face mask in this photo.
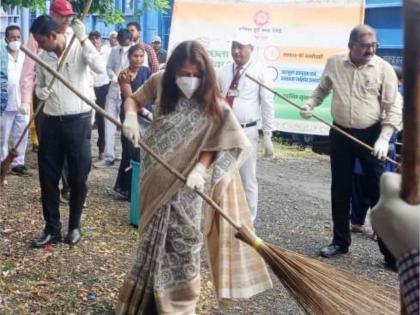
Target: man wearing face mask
(364, 90)
(117, 61)
(249, 102)
(13, 114)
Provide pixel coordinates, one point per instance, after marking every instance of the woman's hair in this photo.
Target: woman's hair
(135, 48)
(207, 93)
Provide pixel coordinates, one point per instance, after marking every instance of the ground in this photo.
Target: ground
(294, 212)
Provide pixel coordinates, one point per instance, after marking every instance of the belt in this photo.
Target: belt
(251, 124)
(69, 117)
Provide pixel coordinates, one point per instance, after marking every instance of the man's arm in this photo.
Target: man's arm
(391, 104)
(92, 57)
(27, 77)
(267, 105)
(323, 88)
(110, 65)
(40, 81)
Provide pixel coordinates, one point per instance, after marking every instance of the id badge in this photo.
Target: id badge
(234, 93)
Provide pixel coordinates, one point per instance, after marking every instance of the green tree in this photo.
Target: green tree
(103, 8)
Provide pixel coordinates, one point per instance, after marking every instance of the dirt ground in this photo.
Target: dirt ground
(294, 212)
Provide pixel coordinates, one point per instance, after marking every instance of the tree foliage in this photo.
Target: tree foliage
(105, 9)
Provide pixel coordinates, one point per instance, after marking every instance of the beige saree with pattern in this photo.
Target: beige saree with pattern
(165, 278)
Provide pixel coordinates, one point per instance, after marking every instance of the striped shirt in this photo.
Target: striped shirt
(362, 95)
(408, 272)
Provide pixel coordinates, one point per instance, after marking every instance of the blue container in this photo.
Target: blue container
(135, 196)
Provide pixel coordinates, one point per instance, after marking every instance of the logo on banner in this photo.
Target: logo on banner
(261, 18)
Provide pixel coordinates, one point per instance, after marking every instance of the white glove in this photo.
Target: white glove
(195, 178)
(306, 111)
(44, 93)
(268, 146)
(396, 222)
(381, 146)
(79, 30)
(24, 108)
(131, 128)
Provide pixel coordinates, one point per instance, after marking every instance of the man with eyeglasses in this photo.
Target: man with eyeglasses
(364, 104)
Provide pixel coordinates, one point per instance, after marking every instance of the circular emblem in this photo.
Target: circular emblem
(261, 18)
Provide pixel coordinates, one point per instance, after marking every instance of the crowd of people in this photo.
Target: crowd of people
(206, 125)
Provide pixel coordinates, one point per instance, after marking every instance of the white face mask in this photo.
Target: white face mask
(14, 45)
(188, 85)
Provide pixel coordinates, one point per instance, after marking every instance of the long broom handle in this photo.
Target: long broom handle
(59, 67)
(319, 118)
(410, 186)
(141, 143)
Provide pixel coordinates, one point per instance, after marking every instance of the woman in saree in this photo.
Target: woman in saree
(197, 134)
(130, 80)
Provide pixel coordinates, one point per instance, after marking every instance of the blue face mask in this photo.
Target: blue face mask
(401, 89)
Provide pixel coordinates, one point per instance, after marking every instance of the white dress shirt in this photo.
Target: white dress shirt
(76, 70)
(100, 79)
(253, 102)
(362, 96)
(117, 61)
(14, 69)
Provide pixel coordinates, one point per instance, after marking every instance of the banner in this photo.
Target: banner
(293, 39)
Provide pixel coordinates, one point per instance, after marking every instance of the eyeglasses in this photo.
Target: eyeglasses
(367, 46)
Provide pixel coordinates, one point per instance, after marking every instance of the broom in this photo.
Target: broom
(318, 287)
(13, 153)
(346, 134)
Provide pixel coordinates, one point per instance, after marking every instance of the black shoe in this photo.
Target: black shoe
(20, 170)
(73, 237)
(46, 239)
(391, 264)
(333, 250)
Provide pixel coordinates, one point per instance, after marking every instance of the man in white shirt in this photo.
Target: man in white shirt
(364, 104)
(101, 86)
(249, 102)
(66, 130)
(16, 115)
(62, 12)
(117, 61)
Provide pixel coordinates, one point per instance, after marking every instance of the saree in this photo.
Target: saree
(165, 278)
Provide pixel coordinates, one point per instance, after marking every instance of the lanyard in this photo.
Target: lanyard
(243, 71)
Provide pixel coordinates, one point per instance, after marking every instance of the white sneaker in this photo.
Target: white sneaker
(103, 164)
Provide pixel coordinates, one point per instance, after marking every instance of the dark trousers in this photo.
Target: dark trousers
(100, 93)
(39, 120)
(359, 202)
(343, 153)
(129, 152)
(64, 138)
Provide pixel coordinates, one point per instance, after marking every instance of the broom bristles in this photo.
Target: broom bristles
(5, 164)
(320, 288)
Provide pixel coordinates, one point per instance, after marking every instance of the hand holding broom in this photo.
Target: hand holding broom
(319, 288)
(12, 154)
(306, 112)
